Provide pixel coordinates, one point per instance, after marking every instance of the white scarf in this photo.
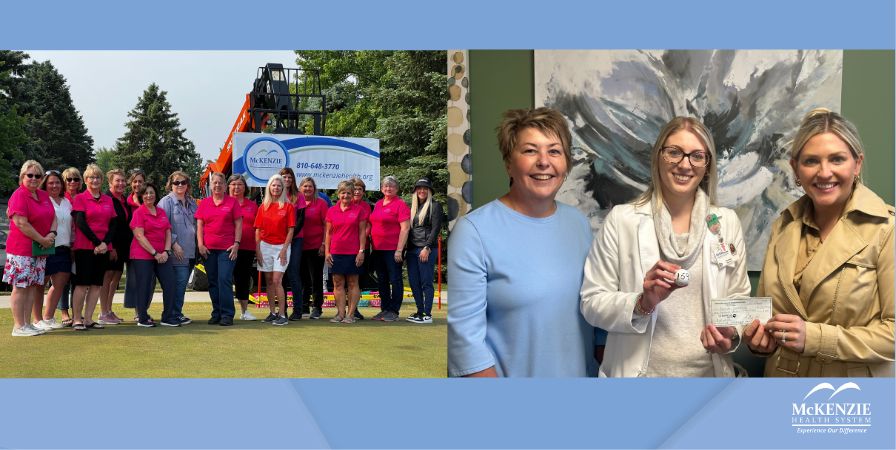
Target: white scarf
(670, 249)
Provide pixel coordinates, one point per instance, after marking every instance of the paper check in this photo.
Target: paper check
(727, 312)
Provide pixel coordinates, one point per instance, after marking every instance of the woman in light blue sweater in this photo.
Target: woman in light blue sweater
(516, 265)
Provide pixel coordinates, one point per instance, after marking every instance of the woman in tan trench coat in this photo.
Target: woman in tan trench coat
(829, 264)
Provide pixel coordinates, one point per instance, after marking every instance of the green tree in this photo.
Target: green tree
(154, 140)
(399, 97)
(12, 125)
(57, 137)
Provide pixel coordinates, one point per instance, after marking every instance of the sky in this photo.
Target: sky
(205, 88)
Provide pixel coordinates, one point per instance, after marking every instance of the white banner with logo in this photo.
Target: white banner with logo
(327, 159)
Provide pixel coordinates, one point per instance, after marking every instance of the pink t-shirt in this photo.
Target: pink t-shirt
(133, 204)
(315, 218)
(344, 238)
(154, 228)
(40, 215)
(98, 214)
(248, 210)
(385, 223)
(218, 221)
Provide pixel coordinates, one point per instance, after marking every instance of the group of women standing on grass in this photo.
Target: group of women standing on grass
(86, 239)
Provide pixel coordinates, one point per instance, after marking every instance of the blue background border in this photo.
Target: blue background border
(397, 24)
(432, 413)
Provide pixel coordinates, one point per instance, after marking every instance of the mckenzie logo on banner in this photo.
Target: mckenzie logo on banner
(328, 160)
(829, 410)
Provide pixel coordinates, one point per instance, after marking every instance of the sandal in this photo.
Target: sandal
(67, 323)
(96, 325)
(79, 327)
(348, 319)
(336, 319)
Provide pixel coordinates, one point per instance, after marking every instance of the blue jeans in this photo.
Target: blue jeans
(388, 278)
(145, 272)
(294, 275)
(181, 276)
(129, 287)
(64, 302)
(219, 269)
(420, 277)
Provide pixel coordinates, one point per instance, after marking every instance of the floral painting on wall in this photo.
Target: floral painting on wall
(616, 101)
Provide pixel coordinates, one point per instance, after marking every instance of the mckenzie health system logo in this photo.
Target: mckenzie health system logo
(264, 157)
(829, 410)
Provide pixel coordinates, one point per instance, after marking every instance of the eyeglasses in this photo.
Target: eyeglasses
(94, 177)
(674, 155)
(180, 183)
(33, 175)
(73, 180)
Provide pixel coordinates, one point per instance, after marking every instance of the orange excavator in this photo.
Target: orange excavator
(282, 100)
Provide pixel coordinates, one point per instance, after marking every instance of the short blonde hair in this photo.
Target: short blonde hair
(114, 172)
(29, 164)
(345, 185)
(546, 120)
(93, 170)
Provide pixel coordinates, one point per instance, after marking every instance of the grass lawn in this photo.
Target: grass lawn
(307, 348)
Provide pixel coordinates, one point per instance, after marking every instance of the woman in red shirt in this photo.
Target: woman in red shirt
(150, 249)
(344, 244)
(389, 225)
(32, 227)
(274, 227)
(242, 270)
(313, 247)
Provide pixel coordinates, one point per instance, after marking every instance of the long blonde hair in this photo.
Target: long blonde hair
(418, 211)
(268, 198)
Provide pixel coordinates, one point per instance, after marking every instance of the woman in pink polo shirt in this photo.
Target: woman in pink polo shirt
(389, 225)
(136, 179)
(313, 247)
(150, 250)
(59, 264)
(120, 253)
(219, 224)
(344, 243)
(243, 272)
(32, 226)
(94, 216)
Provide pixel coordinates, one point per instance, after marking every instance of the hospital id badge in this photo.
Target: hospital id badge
(722, 255)
(729, 312)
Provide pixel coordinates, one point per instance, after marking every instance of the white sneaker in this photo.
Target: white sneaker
(24, 331)
(47, 325)
(247, 316)
(35, 329)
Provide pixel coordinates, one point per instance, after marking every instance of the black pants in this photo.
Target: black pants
(244, 275)
(312, 279)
